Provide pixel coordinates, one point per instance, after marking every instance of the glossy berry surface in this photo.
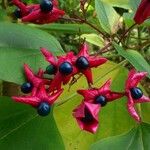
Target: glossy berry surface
(82, 63)
(65, 68)
(26, 87)
(51, 69)
(88, 117)
(43, 109)
(17, 13)
(46, 5)
(136, 93)
(101, 100)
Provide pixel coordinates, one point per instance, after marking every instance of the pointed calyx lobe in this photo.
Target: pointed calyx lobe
(86, 115)
(100, 95)
(143, 12)
(134, 94)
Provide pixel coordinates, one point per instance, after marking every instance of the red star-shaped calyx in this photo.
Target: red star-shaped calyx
(34, 14)
(133, 93)
(84, 62)
(86, 115)
(35, 80)
(41, 96)
(100, 95)
(64, 66)
(25, 9)
(143, 12)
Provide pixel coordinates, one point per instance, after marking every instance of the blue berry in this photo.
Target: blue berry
(17, 13)
(136, 93)
(43, 109)
(101, 100)
(82, 63)
(65, 68)
(26, 87)
(46, 5)
(51, 69)
(88, 117)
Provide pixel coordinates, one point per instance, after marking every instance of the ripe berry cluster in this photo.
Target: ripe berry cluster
(45, 12)
(44, 92)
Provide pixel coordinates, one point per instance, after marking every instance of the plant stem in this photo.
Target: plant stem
(124, 34)
(80, 20)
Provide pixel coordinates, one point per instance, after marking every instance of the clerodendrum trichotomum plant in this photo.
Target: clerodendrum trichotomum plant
(75, 75)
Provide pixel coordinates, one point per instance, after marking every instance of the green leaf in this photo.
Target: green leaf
(25, 37)
(12, 60)
(136, 139)
(135, 58)
(134, 4)
(22, 129)
(66, 28)
(128, 19)
(114, 118)
(21, 44)
(118, 3)
(93, 39)
(107, 16)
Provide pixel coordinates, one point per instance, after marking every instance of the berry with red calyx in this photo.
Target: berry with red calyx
(88, 117)
(136, 93)
(43, 109)
(46, 6)
(26, 87)
(51, 69)
(65, 68)
(101, 100)
(17, 13)
(82, 63)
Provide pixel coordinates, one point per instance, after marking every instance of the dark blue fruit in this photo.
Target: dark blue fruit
(17, 13)
(43, 109)
(136, 93)
(26, 87)
(46, 5)
(51, 69)
(65, 68)
(88, 117)
(101, 100)
(82, 63)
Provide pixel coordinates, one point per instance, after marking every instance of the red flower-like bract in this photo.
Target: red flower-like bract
(59, 78)
(91, 94)
(133, 79)
(38, 97)
(39, 93)
(94, 61)
(143, 12)
(33, 13)
(35, 80)
(86, 115)
(90, 123)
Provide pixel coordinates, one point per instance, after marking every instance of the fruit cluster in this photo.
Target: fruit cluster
(44, 92)
(45, 12)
